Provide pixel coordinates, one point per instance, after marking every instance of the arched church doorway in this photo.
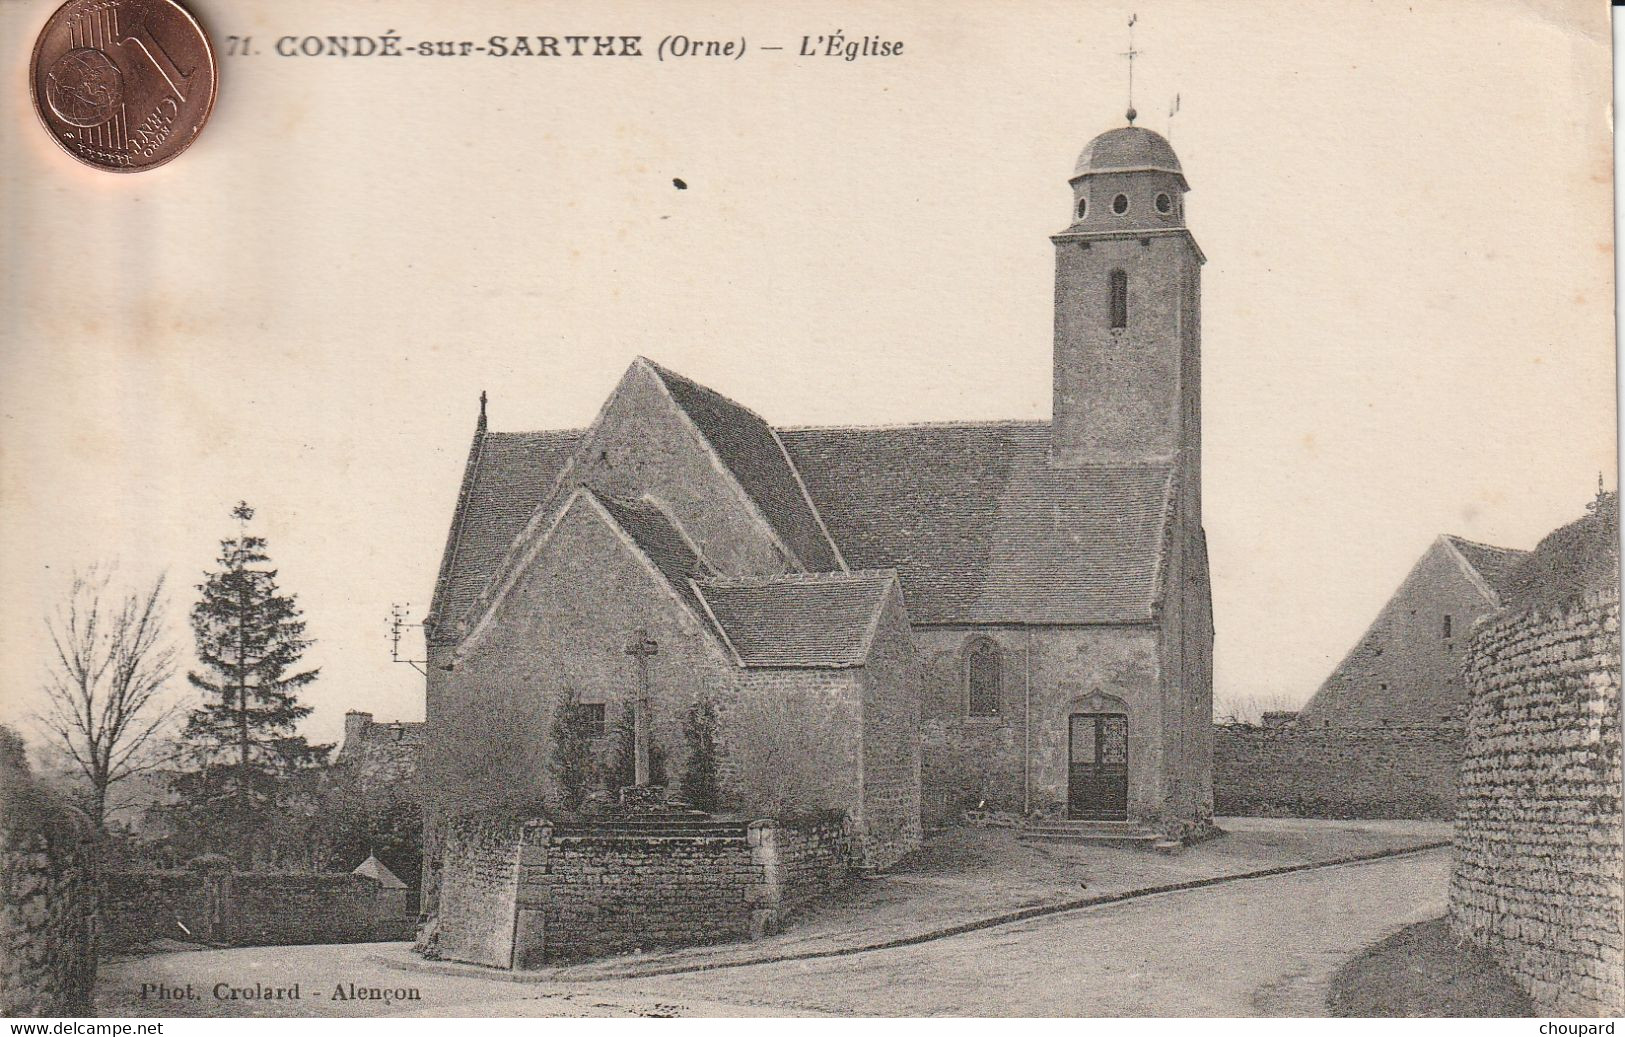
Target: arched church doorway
(1097, 772)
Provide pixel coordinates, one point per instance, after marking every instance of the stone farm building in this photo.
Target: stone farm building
(1406, 669)
(918, 618)
(380, 753)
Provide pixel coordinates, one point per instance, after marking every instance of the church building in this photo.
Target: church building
(898, 623)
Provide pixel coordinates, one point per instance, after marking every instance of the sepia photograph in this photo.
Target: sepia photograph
(1053, 509)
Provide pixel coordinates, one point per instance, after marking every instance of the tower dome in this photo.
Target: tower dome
(1129, 149)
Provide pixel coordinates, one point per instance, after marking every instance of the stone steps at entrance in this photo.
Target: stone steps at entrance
(1098, 833)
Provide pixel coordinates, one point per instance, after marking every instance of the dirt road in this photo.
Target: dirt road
(1251, 947)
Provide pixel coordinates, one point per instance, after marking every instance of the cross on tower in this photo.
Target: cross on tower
(641, 648)
(1131, 54)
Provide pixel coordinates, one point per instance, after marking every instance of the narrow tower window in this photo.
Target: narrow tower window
(1447, 625)
(983, 674)
(1083, 207)
(1119, 299)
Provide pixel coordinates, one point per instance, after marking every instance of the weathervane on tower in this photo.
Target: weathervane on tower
(1131, 54)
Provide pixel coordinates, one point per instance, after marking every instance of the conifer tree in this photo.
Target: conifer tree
(241, 741)
(701, 772)
(573, 762)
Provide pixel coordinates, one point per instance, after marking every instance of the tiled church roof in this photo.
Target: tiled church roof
(1494, 564)
(513, 471)
(982, 529)
(662, 542)
(749, 448)
(977, 523)
(799, 620)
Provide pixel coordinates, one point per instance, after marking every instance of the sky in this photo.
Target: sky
(1407, 306)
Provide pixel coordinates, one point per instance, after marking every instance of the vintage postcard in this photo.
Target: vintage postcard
(1045, 509)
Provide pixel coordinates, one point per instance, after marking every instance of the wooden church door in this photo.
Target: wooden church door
(1097, 775)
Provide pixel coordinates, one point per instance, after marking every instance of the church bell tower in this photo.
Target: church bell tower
(1127, 309)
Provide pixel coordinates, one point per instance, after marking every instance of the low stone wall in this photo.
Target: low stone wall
(1539, 876)
(525, 895)
(813, 859)
(251, 908)
(48, 890)
(1398, 771)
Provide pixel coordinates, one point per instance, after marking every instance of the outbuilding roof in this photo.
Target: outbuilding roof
(1493, 564)
(800, 620)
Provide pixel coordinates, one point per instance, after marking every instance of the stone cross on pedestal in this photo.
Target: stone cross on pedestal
(641, 647)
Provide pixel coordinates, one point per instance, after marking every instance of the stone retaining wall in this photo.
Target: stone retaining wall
(518, 896)
(249, 909)
(813, 859)
(1402, 770)
(1539, 876)
(477, 883)
(48, 891)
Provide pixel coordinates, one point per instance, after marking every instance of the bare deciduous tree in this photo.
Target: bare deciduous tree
(1250, 709)
(111, 659)
(789, 751)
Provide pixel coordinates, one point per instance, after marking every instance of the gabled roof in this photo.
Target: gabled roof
(799, 620)
(375, 869)
(982, 529)
(509, 473)
(977, 523)
(749, 448)
(1494, 565)
(647, 531)
(658, 537)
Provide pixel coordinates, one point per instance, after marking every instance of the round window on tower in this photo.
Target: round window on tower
(1083, 207)
(1165, 205)
(1120, 204)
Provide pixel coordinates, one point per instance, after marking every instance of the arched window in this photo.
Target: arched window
(1119, 299)
(984, 676)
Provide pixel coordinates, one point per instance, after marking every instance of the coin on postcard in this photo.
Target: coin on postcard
(124, 85)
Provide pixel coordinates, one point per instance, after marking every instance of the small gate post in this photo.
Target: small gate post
(531, 897)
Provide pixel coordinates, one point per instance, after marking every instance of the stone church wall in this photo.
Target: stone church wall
(567, 623)
(891, 743)
(1539, 873)
(970, 760)
(644, 445)
(48, 889)
(792, 741)
(1186, 665)
(566, 626)
(539, 894)
(967, 760)
(1401, 770)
